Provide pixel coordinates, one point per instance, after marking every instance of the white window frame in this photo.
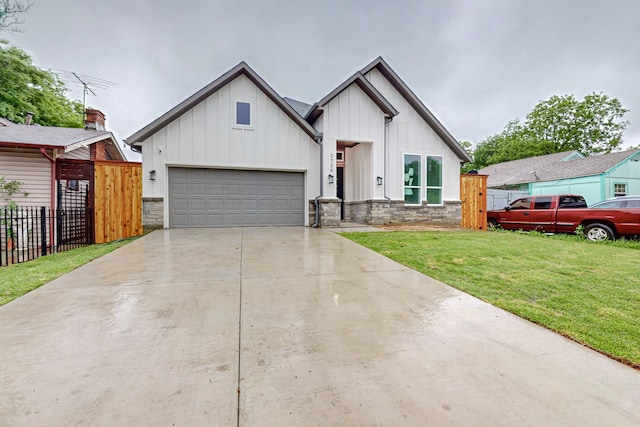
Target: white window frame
(250, 114)
(426, 179)
(418, 186)
(619, 193)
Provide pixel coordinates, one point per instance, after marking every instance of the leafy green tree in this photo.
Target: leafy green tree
(27, 88)
(11, 12)
(592, 126)
(562, 123)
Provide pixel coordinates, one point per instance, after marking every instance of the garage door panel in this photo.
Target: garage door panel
(196, 205)
(232, 220)
(215, 189)
(231, 205)
(266, 188)
(228, 198)
(198, 220)
(197, 188)
(249, 206)
(215, 219)
(179, 187)
(232, 188)
(249, 190)
(267, 205)
(180, 173)
(250, 219)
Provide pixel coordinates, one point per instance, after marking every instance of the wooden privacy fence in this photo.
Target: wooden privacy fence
(473, 193)
(114, 196)
(117, 200)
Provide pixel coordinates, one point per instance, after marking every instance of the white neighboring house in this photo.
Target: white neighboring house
(28, 153)
(238, 154)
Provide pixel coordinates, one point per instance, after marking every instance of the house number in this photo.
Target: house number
(331, 163)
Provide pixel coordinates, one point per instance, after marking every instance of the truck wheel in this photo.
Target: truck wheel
(492, 224)
(599, 232)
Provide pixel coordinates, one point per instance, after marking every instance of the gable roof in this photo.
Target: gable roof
(568, 164)
(237, 71)
(49, 137)
(366, 86)
(415, 102)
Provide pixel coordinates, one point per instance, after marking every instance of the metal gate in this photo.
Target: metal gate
(73, 214)
(74, 210)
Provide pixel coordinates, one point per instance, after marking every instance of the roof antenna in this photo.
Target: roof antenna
(85, 89)
(88, 84)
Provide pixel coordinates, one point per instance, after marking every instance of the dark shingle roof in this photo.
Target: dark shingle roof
(568, 164)
(48, 136)
(301, 108)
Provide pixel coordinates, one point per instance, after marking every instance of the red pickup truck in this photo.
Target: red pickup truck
(563, 214)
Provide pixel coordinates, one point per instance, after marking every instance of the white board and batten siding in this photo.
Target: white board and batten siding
(206, 136)
(31, 168)
(409, 133)
(353, 117)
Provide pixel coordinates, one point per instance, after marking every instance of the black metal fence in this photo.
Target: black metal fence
(30, 232)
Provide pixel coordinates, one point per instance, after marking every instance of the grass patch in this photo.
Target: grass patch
(589, 292)
(18, 279)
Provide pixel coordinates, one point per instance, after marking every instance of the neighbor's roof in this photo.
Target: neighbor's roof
(240, 69)
(415, 102)
(568, 164)
(68, 139)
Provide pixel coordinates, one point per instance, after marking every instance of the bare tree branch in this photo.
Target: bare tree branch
(11, 14)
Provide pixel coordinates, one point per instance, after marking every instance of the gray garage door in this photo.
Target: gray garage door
(230, 198)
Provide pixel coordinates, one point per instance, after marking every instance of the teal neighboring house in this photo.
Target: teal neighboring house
(596, 178)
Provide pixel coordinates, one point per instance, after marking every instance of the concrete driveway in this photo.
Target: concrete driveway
(286, 326)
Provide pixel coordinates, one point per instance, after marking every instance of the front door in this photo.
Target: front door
(340, 190)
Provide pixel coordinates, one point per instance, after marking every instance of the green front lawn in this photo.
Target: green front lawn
(18, 279)
(587, 291)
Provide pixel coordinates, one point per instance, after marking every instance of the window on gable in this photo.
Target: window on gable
(412, 182)
(619, 190)
(243, 113)
(434, 180)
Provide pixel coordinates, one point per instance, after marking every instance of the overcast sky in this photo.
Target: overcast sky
(476, 64)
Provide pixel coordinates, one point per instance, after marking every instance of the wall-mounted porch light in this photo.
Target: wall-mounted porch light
(330, 179)
(152, 175)
(379, 180)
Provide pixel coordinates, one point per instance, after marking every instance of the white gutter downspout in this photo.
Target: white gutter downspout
(387, 120)
(315, 201)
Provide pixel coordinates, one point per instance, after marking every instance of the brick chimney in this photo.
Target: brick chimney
(95, 120)
(98, 151)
